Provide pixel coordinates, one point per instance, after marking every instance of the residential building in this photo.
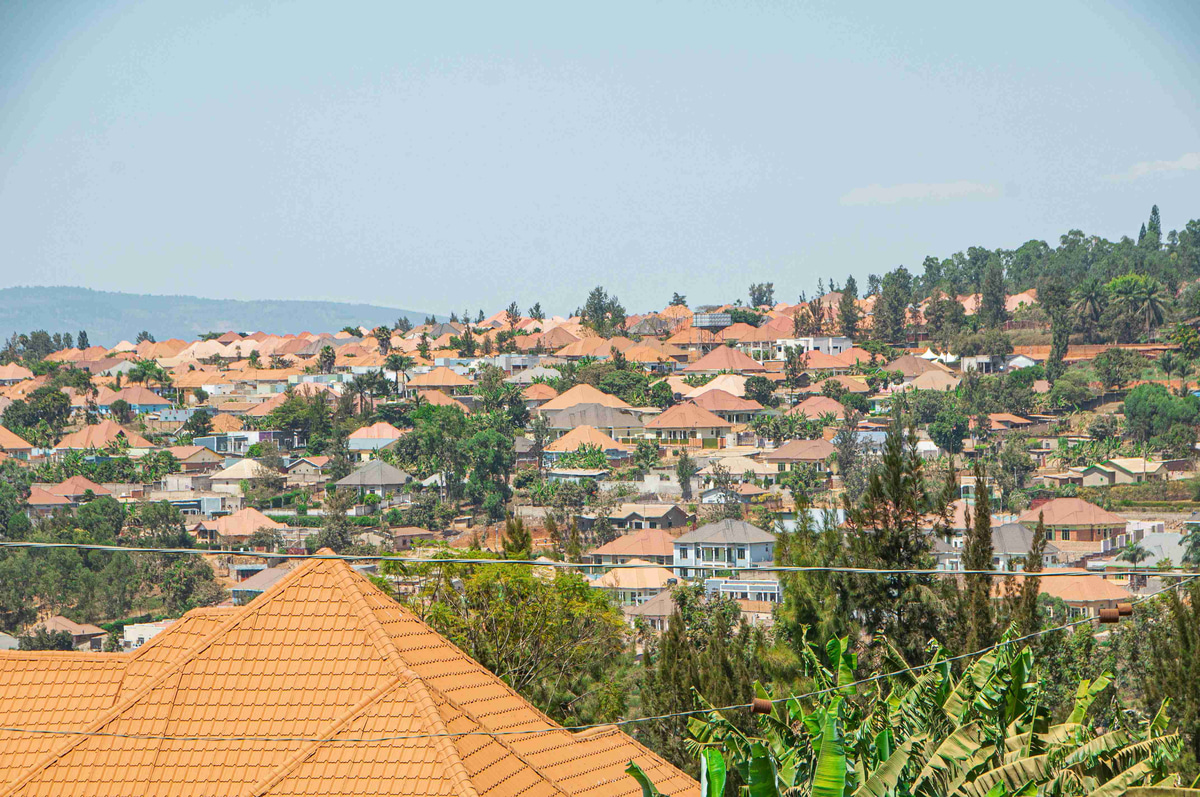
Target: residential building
(648, 545)
(376, 478)
(689, 425)
(1074, 525)
(816, 453)
(84, 636)
(637, 583)
(734, 544)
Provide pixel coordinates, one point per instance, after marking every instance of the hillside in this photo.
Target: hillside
(110, 317)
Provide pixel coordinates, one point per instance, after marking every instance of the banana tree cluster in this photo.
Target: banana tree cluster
(926, 733)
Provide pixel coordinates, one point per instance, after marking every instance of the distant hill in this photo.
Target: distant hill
(111, 317)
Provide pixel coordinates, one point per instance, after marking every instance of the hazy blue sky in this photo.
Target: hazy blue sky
(436, 156)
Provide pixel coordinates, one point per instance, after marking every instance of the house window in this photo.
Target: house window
(1066, 534)
(741, 553)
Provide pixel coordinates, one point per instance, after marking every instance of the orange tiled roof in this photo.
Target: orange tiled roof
(278, 690)
(583, 394)
(725, 358)
(102, 435)
(9, 441)
(688, 416)
(585, 435)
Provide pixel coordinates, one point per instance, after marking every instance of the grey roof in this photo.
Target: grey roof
(1014, 539)
(527, 376)
(727, 531)
(375, 473)
(1161, 545)
(8, 642)
(596, 415)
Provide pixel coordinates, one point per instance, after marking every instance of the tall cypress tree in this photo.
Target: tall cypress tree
(887, 531)
(848, 315)
(976, 599)
(1028, 620)
(991, 294)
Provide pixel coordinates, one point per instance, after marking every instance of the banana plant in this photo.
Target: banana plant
(924, 733)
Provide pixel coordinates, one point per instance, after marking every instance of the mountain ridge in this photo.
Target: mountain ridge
(110, 316)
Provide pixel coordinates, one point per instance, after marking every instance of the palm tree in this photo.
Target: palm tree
(1149, 303)
(398, 364)
(1134, 553)
(1191, 548)
(1170, 363)
(1090, 299)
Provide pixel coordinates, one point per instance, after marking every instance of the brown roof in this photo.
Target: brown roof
(539, 391)
(585, 435)
(801, 451)
(722, 401)
(1084, 587)
(1071, 512)
(381, 430)
(11, 442)
(688, 416)
(440, 377)
(636, 578)
(816, 406)
(224, 422)
(39, 496)
(439, 399)
(583, 394)
(102, 435)
(912, 366)
(77, 485)
(279, 690)
(245, 522)
(726, 358)
(643, 542)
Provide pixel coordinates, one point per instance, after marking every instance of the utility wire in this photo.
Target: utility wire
(581, 728)
(711, 567)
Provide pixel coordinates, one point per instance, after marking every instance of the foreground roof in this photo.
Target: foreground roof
(321, 685)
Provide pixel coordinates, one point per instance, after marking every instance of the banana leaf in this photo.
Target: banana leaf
(760, 774)
(712, 774)
(829, 776)
(1117, 786)
(1091, 752)
(1014, 776)
(1056, 735)
(1086, 694)
(886, 777)
(947, 760)
(648, 788)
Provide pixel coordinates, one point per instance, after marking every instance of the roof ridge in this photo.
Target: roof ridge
(114, 711)
(422, 698)
(263, 785)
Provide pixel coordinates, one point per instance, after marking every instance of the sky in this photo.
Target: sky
(443, 156)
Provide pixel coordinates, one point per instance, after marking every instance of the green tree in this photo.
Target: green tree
(678, 300)
(603, 314)
(949, 429)
(685, 471)
(762, 294)
(42, 639)
(848, 313)
(326, 360)
(1117, 367)
(976, 600)
(517, 541)
(887, 531)
(1027, 618)
(1175, 657)
(992, 312)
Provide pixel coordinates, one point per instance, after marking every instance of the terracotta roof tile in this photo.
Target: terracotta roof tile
(320, 660)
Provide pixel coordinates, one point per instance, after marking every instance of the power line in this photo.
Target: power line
(708, 567)
(581, 728)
